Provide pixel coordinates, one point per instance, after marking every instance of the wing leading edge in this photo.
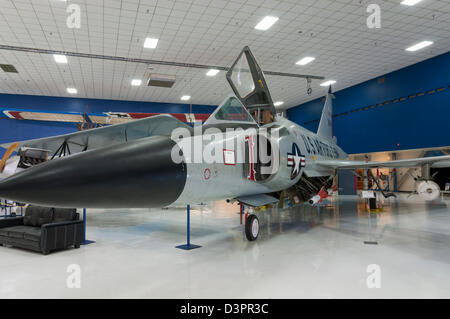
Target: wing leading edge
(434, 161)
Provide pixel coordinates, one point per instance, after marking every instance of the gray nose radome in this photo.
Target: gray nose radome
(134, 174)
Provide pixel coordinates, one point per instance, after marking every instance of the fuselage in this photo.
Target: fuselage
(143, 173)
(220, 180)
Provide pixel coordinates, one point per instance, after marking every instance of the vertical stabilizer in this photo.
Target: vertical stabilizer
(326, 120)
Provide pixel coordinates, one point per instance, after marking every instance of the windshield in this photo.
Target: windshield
(233, 110)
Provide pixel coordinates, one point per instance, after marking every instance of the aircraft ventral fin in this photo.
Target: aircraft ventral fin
(257, 200)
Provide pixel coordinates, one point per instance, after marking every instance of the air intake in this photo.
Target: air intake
(8, 68)
(161, 80)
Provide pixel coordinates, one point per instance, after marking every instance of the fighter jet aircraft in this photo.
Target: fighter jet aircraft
(143, 163)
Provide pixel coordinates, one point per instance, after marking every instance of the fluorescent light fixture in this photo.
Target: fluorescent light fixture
(185, 97)
(60, 58)
(327, 83)
(410, 2)
(136, 82)
(419, 46)
(278, 103)
(266, 23)
(305, 60)
(72, 90)
(212, 72)
(150, 43)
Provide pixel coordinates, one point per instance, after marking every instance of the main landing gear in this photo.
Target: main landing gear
(252, 227)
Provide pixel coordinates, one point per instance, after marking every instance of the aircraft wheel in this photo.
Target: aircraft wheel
(252, 228)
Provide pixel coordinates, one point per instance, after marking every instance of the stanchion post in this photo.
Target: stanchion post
(85, 241)
(188, 245)
(241, 211)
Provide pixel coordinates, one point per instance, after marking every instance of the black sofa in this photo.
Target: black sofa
(43, 229)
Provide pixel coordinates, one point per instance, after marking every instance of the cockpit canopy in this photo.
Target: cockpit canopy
(248, 83)
(251, 102)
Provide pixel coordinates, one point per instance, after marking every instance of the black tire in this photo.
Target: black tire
(252, 228)
(77, 246)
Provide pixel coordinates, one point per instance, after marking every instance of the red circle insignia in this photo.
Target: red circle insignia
(207, 173)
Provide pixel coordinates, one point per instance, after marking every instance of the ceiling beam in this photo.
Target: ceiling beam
(147, 61)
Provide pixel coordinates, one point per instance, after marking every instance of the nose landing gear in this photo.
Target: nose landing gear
(252, 227)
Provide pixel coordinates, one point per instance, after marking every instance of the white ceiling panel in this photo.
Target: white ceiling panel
(212, 32)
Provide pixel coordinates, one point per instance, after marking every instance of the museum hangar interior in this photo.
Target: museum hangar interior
(302, 147)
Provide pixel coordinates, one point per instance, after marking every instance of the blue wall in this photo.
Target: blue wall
(422, 121)
(415, 121)
(16, 130)
(52, 103)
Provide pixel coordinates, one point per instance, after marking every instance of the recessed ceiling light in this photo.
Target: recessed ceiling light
(305, 60)
(150, 43)
(72, 90)
(266, 23)
(419, 46)
(185, 97)
(278, 103)
(410, 2)
(60, 58)
(327, 83)
(212, 72)
(136, 82)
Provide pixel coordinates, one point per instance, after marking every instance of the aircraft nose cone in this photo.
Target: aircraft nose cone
(134, 174)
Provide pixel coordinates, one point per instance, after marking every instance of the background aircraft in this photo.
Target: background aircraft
(131, 164)
(106, 118)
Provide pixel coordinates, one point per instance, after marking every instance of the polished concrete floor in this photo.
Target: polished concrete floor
(335, 251)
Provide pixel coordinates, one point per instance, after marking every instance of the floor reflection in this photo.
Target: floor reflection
(299, 219)
(347, 215)
(303, 252)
